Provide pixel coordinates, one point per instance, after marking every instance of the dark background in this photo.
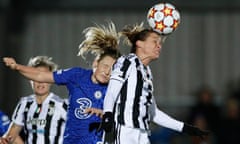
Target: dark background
(203, 51)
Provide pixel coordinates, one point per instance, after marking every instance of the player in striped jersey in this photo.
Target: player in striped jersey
(129, 100)
(86, 87)
(42, 114)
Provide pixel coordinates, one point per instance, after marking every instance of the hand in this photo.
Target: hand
(107, 123)
(96, 111)
(194, 131)
(10, 62)
(4, 140)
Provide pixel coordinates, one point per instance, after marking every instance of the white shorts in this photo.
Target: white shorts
(125, 135)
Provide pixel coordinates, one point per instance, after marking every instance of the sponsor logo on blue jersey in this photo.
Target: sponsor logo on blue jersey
(83, 104)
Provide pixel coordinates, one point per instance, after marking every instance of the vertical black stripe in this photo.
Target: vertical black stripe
(65, 106)
(34, 127)
(17, 111)
(146, 117)
(148, 102)
(124, 69)
(138, 93)
(51, 106)
(25, 120)
(122, 104)
(59, 126)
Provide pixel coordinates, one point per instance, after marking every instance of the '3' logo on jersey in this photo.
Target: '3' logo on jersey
(83, 104)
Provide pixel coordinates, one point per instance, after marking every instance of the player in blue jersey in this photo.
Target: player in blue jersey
(86, 87)
(4, 123)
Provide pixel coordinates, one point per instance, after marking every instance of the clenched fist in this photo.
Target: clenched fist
(10, 62)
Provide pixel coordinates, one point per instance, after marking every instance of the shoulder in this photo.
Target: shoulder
(71, 71)
(126, 61)
(59, 100)
(129, 57)
(60, 103)
(56, 98)
(27, 98)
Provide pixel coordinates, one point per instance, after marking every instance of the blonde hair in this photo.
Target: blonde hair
(100, 40)
(42, 61)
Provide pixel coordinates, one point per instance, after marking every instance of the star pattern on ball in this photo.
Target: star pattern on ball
(167, 11)
(152, 13)
(159, 25)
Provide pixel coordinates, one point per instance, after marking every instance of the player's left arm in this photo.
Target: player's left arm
(161, 118)
(165, 120)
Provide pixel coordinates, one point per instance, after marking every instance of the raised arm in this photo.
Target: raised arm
(28, 71)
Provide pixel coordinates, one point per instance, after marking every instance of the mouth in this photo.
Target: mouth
(105, 77)
(157, 52)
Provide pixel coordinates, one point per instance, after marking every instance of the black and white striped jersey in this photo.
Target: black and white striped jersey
(135, 95)
(43, 124)
(130, 96)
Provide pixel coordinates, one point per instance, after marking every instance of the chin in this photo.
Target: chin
(103, 81)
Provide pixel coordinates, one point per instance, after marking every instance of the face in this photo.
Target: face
(41, 89)
(150, 48)
(102, 70)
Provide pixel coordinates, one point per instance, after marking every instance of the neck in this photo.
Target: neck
(41, 98)
(145, 60)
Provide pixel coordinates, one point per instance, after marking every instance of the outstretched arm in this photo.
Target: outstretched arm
(28, 71)
(165, 120)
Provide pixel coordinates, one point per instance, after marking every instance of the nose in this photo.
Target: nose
(107, 72)
(159, 45)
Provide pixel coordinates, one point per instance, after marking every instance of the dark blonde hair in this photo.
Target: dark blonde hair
(101, 41)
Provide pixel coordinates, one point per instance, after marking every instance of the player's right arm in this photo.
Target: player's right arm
(28, 71)
(12, 135)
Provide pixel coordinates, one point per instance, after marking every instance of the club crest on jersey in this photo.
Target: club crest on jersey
(98, 94)
(51, 110)
(83, 104)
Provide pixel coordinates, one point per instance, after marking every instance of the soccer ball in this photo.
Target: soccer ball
(164, 18)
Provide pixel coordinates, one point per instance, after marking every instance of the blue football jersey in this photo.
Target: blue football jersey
(4, 123)
(83, 93)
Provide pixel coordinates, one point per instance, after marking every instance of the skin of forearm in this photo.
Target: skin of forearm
(32, 73)
(28, 72)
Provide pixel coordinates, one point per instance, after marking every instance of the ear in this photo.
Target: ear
(139, 43)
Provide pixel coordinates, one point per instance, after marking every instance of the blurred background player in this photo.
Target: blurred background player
(129, 101)
(4, 123)
(41, 114)
(86, 86)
